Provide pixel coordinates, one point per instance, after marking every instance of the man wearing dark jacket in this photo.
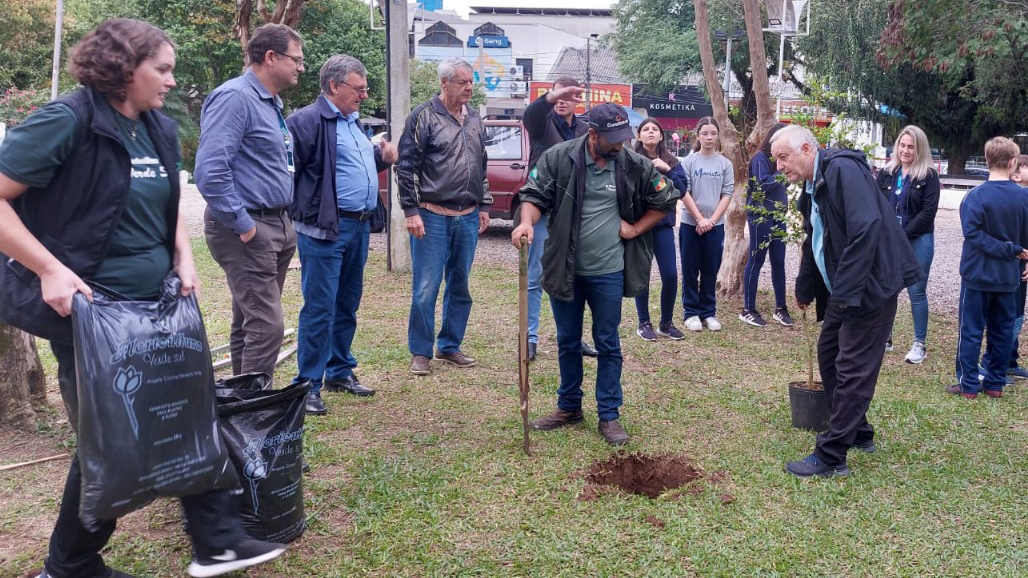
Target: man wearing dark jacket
(549, 120)
(602, 199)
(336, 185)
(857, 255)
(443, 192)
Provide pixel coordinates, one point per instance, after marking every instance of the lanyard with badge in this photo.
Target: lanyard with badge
(288, 141)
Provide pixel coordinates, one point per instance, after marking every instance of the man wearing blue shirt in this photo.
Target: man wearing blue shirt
(244, 170)
(336, 191)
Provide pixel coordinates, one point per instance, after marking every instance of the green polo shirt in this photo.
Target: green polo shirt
(599, 251)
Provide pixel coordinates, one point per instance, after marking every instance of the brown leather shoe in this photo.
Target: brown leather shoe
(558, 418)
(612, 431)
(420, 365)
(456, 358)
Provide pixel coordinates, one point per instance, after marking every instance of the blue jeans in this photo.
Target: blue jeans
(603, 294)
(332, 282)
(446, 251)
(762, 243)
(924, 250)
(535, 277)
(667, 264)
(991, 313)
(701, 257)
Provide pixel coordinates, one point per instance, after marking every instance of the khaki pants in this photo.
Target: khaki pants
(256, 272)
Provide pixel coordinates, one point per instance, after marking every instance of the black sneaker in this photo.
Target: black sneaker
(782, 316)
(646, 332)
(811, 466)
(246, 553)
(670, 331)
(752, 317)
(867, 447)
(888, 344)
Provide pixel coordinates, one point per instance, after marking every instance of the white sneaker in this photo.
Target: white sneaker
(694, 324)
(916, 354)
(712, 323)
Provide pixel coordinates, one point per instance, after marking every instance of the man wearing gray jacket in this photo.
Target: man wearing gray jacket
(443, 192)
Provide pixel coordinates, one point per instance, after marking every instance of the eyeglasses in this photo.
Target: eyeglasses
(298, 60)
(359, 89)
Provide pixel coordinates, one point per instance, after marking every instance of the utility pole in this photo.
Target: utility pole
(55, 73)
(397, 109)
(588, 71)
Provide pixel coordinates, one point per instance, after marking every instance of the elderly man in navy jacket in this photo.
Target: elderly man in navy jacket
(857, 255)
(336, 191)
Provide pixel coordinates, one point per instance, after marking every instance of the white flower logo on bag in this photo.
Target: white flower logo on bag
(126, 383)
(255, 470)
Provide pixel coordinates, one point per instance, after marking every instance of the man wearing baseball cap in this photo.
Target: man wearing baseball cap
(601, 199)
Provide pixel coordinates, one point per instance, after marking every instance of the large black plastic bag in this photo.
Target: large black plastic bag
(147, 419)
(264, 432)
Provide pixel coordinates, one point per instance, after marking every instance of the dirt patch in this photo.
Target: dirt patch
(641, 474)
(803, 385)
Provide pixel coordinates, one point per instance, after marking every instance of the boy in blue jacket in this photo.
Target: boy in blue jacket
(994, 219)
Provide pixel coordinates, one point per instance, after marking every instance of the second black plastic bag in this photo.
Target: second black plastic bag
(264, 431)
(147, 421)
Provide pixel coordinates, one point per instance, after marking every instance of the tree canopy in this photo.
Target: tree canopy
(954, 68)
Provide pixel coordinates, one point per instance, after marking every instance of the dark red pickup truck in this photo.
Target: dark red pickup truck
(507, 147)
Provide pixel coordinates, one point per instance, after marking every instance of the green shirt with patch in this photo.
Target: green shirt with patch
(137, 259)
(600, 251)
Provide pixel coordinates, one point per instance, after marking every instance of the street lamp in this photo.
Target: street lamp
(728, 37)
(588, 72)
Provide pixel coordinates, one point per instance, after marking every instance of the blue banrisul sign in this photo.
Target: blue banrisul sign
(489, 41)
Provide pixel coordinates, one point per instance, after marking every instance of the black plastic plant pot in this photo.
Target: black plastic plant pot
(809, 406)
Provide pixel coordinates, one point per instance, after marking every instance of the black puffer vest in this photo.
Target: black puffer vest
(75, 216)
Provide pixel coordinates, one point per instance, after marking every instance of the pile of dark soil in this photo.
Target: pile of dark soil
(644, 475)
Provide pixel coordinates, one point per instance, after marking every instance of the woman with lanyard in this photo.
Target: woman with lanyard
(89, 192)
(650, 143)
(911, 185)
(765, 199)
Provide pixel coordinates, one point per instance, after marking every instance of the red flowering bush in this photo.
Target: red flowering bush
(16, 104)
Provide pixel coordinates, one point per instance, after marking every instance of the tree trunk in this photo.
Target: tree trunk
(761, 87)
(22, 384)
(733, 259)
(287, 12)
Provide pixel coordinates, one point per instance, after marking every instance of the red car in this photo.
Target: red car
(507, 147)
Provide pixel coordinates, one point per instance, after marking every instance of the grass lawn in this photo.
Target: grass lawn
(427, 478)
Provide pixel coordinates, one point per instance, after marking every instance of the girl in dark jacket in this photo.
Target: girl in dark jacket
(767, 192)
(911, 186)
(650, 143)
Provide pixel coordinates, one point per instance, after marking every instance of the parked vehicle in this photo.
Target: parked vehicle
(507, 148)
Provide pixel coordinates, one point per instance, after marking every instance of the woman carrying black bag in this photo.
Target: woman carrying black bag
(89, 192)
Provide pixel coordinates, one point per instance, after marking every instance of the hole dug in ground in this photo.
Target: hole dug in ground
(640, 474)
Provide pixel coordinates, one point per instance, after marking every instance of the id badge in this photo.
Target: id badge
(290, 163)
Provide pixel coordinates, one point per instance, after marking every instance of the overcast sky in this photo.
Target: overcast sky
(461, 6)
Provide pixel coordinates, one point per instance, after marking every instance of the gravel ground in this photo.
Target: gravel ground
(494, 248)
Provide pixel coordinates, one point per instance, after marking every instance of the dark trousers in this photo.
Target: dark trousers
(991, 313)
(1018, 323)
(762, 244)
(332, 282)
(214, 523)
(701, 259)
(849, 354)
(256, 272)
(667, 264)
(603, 295)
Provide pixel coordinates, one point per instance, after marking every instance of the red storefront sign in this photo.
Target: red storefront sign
(620, 94)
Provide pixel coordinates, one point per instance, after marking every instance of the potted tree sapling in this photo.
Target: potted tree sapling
(807, 401)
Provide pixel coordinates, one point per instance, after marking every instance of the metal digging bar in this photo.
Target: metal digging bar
(523, 385)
